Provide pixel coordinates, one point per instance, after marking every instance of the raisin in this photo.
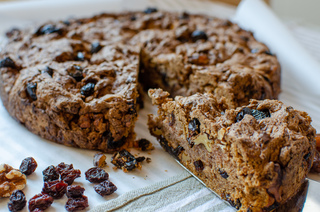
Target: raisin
(99, 160)
(7, 62)
(175, 152)
(28, 165)
(40, 201)
(223, 174)
(124, 160)
(87, 89)
(50, 174)
(145, 144)
(112, 144)
(74, 191)
(48, 29)
(198, 35)
(257, 114)
(68, 173)
(198, 165)
(95, 47)
(76, 204)
(31, 90)
(80, 56)
(105, 188)
(17, 201)
(194, 127)
(150, 10)
(47, 70)
(96, 175)
(236, 204)
(55, 188)
(140, 159)
(133, 18)
(75, 71)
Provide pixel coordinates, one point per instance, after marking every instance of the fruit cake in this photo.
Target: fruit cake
(256, 156)
(75, 81)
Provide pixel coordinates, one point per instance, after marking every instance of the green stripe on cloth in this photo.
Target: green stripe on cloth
(179, 193)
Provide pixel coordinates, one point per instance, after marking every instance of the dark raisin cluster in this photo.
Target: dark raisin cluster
(125, 160)
(76, 199)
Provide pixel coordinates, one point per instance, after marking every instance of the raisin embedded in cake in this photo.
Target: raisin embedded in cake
(256, 157)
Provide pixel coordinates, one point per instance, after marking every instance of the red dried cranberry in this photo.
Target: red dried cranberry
(74, 191)
(105, 188)
(55, 188)
(96, 175)
(40, 201)
(31, 90)
(28, 165)
(17, 201)
(76, 204)
(198, 35)
(87, 89)
(50, 174)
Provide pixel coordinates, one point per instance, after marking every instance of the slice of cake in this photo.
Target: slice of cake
(256, 157)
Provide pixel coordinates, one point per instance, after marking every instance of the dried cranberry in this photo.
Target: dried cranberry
(95, 47)
(31, 90)
(55, 188)
(50, 174)
(150, 10)
(40, 201)
(17, 201)
(75, 71)
(76, 204)
(74, 191)
(7, 62)
(198, 165)
(105, 188)
(70, 175)
(198, 35)
(47, 70)
(96, 175)
(124, 160)
(28, 165)
(87, 89)
(145, 144)
(48, 29)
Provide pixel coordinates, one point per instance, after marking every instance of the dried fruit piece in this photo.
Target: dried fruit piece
(7, 62)
(125, 160)
(74, 191)
(99, 160)
(67, 172)
(105, 188)
(17, 201)
(87, 89)
(55, 188)
(10, 180)
(96, 175)
(140, 159)
(95, 47)
(145, 144)
(75, 71)
(76, 204)
(40, 201)
(48, 29)
(32, 89)
(50, 173)
(28, 165)
(198, 35)
(150, 10)
(47, 70)
(223, 174)
(194, 127)
(257, 114)
(198, 165)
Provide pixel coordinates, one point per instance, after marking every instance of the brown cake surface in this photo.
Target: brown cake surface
(256, 157)
(75, 81)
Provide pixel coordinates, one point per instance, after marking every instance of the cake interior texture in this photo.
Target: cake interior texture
(256, 157)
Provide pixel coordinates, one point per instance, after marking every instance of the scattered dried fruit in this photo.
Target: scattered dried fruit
(10, 180)
(40, 201)
(76, 204)
(70, 175)
(55, 189)
(74, 191)
(28, 165)
(125, 160)
(50, 174)
(96, 175)
(99, 160)
(17, 201)
(105, 188)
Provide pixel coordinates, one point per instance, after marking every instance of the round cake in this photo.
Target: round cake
(77, 81)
